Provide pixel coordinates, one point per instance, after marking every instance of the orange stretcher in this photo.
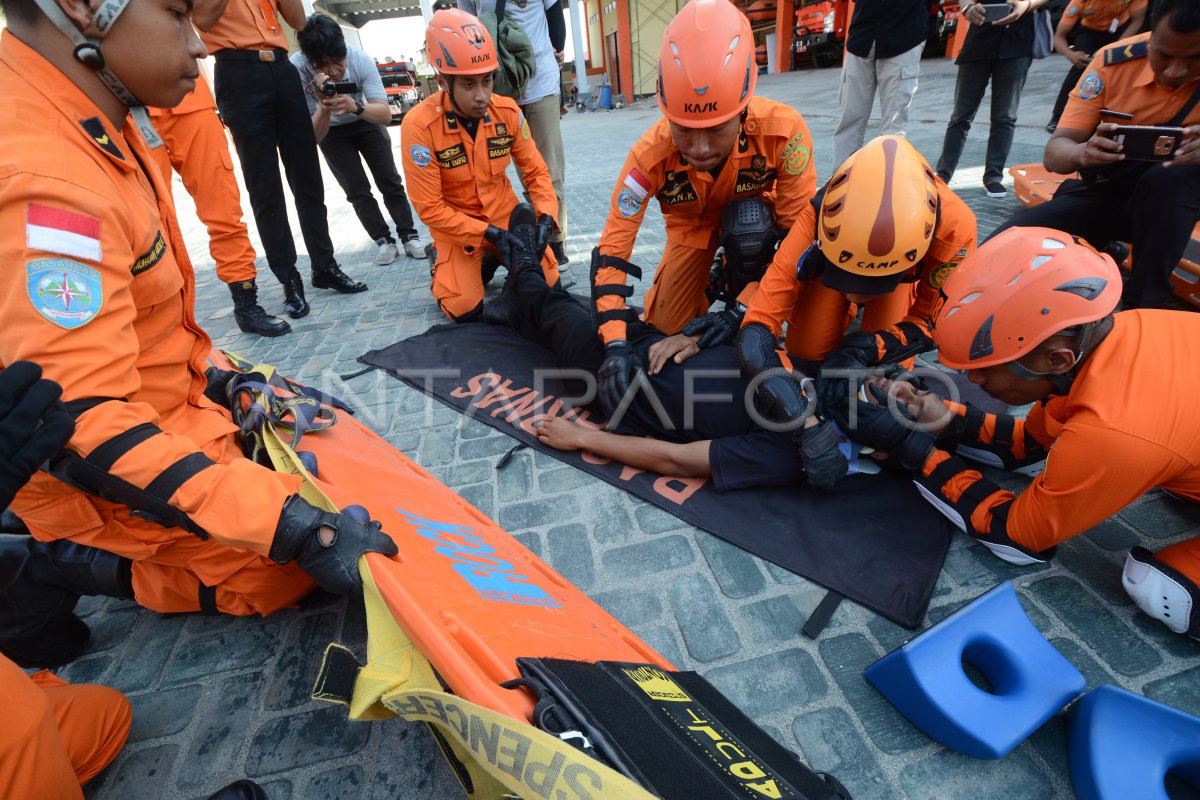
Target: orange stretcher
(1034, 184)
(466, 593)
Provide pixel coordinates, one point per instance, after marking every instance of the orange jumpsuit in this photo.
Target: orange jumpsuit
(198, 150)
(99, 291)
(1127, 425)
(56, 736)
(459, 186)
(772, 158)
(818, 316)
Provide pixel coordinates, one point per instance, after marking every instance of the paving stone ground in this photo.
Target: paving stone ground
(216, 699)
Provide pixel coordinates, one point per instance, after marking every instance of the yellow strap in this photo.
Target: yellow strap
(502, 756)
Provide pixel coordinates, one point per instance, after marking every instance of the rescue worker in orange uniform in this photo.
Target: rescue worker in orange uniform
(195, 145)
(717, 144)
(1030, 317)
(101, 296)
(56, 736)
(885, 232)
(456, 147)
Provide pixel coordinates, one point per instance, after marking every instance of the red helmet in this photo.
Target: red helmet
(457, 43)
(706, 69)
(1016, 291)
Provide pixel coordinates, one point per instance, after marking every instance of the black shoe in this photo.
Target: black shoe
(995, 189)
(500, 310)
(1119, 251)
(250, 316)
(293, 296)
(560, 252)
(522, 223)
(40, 583)
(1052, 125)
(334, 278)
(240, 790)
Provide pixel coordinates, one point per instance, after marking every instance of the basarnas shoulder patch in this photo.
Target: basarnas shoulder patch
(65, 292)
(95, 129)
(1118, 55)
(628, 203)
(795, 156)
(420, 155)
(1091, 86)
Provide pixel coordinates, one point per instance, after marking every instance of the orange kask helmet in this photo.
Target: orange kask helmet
(706, 69)
(457, 43)
(1016, 291)
(877, 217)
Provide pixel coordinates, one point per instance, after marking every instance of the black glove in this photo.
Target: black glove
(878, 426)
(514, 251)
(716, 327)
(217, 382)
(333, 564)
(615, 375)
(824, 463)
(545, 227)
(33, 425)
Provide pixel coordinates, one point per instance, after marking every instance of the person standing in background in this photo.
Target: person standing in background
(999, 52)
(542, 21)
(195, 145)
(259, 95)
(883, 50)
(349, 130)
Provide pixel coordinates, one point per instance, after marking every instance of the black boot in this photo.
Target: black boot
(522, 223)
(293, 296)
(333, 278)
(250, 316)
(40, 583)
(240, 790)
(487, 267)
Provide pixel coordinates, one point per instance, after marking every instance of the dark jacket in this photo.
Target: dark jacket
(893, 26)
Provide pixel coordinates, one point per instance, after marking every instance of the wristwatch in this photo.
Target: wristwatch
(359, 108)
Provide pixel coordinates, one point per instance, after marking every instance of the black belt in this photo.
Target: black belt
(268, 56)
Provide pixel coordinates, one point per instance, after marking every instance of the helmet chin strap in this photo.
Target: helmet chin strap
(87, 52)
(1062, 383)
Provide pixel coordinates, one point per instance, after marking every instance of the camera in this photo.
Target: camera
(330, 88)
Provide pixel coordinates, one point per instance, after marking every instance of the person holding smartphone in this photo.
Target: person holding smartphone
(998, 50)
(1128, 192)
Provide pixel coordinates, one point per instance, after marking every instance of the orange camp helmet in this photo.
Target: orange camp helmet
(1016, 291)
(457, 43)
(877, 217)
(706, 69)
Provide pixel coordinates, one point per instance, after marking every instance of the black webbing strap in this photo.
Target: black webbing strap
(109, 452)
(335, 680)
(208, 600)
(76, 408)
(356, 374)
(616, 289)
(170, 479)
(822, 614)
(612, 262)
(627, 315)
(1005, 427)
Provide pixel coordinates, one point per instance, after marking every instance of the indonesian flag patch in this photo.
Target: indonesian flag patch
(638, 183)
(55, 230)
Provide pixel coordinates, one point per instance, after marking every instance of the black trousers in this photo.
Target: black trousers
(1154, 212)
(345, 148)
(554, 318)
(1007, 76)
(263, 105)
(1088, 41)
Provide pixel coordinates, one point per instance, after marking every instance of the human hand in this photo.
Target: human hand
(33, 425)
(1101, 149)
(560, 433)
(327, 545)
(677, 348)
(1078, 58)
(1019, 9)
(1189, 151)
(975, 14)
(716, 327)
(615, 375)
(339, 104)
(558, 56)
(923, 406)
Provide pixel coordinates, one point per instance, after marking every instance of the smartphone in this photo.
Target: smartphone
(995, 11)
(1148, 143)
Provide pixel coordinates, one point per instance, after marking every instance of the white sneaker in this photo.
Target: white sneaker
(387, 252)
(414, 249)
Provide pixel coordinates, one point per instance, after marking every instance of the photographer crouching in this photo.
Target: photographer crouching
(349, 111)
